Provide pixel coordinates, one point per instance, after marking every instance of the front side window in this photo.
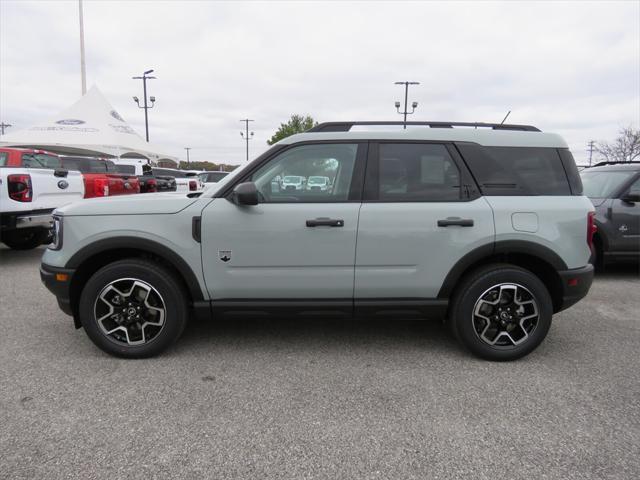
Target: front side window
(3, 158)
(417, 172)
(40, 160)
(602, 184)
(287, 177)
(634, 189)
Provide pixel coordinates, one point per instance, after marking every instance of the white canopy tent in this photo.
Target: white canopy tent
(91, 126)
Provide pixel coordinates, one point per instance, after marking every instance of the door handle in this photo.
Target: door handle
(450, 221)
(325, 222)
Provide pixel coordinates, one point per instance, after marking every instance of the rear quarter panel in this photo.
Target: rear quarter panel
(556, 222)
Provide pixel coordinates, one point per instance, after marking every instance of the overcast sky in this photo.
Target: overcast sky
(571, 68)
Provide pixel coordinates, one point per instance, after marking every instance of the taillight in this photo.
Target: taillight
(193, 185)
(591, 228)
(19, 185)
(101, 187)
(152, 185)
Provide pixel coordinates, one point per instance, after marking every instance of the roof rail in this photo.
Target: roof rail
(347, 126)
(614, 162)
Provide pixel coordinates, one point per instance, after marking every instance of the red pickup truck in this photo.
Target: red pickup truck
(101, 178)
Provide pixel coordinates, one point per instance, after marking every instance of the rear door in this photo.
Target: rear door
(421, 213)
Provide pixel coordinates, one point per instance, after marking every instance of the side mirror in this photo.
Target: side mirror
(245, 194)
(630, 197)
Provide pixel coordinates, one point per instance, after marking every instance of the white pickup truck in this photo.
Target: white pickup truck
(27, 198)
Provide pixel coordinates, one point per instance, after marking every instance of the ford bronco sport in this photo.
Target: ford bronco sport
(483, 225)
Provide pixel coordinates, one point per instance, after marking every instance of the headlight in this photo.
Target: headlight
(56, 234)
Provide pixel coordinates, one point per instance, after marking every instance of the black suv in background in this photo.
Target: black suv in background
(614, 189)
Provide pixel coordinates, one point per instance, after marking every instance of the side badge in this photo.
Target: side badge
(224, 255)
(63, 184)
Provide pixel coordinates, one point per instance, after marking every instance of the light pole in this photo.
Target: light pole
(246, 135)
(187, 149)
(406, 97)
(145, 76)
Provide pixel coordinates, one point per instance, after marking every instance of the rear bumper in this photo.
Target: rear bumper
(58, 281)
(575, 285)
(30, 219)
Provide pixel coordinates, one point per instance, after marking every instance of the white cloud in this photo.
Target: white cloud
(572, 68)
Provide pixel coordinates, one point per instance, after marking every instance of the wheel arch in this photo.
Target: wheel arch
(536, 258)
(91, 258)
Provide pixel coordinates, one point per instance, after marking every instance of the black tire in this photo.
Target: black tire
(170, 292)
(481, 284)
(25, 238)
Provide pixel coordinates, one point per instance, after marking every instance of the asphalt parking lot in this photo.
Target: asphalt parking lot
(318, 398)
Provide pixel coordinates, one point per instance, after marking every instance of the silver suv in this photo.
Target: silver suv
(482, 225)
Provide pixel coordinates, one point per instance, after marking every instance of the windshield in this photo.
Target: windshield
(317, 180)
(212, 177)
(292, 179)
(601, 184)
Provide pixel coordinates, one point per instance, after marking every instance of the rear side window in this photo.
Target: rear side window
(415, 172)
(3, 158)
(84, 165)
(516, 170)
(127, 169)
(40, 160)
(569, 164)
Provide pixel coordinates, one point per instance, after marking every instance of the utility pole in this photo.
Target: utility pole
(187, 149)
(591, 144)
(3, 126)
(246, 134)
(145, 76)
(83, 69)
(406, 97)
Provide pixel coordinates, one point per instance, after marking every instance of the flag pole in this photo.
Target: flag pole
(83, 70)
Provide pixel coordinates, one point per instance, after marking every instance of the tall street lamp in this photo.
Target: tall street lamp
(406, 97)
(145, 76)
(187, 149)
(246, 134)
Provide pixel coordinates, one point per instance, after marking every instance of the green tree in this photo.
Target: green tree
(209, 166)
(296, 124)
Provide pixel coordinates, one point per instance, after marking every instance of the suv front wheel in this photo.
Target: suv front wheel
(501, 312)
(133, 308)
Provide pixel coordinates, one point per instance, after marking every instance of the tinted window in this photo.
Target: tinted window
(84, 165)
(166, 172)
(634, 189)
(571, 170)
(40, 160)
(516, 170)
(3, 158)
(284, 178)
(602, 184)
(417, 172)
(126, 169)
(212, 177)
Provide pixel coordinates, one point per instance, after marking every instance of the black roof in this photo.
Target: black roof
(613, 166)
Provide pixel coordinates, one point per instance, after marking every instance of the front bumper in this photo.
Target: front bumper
(58, 281)
(575, 285)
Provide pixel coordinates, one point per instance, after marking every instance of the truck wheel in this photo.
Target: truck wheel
(501, 312)
(133, 308)
(25, 238)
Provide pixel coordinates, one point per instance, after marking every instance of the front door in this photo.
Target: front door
(297, 243)
(625, 217)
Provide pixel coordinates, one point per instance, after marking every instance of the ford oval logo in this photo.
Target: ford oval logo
(63, 184)
(127, 185)
(70, 121)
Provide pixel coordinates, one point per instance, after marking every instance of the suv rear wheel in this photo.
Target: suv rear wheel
(133, 308)
(501, 312)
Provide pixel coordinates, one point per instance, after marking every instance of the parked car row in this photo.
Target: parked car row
(34, 182)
